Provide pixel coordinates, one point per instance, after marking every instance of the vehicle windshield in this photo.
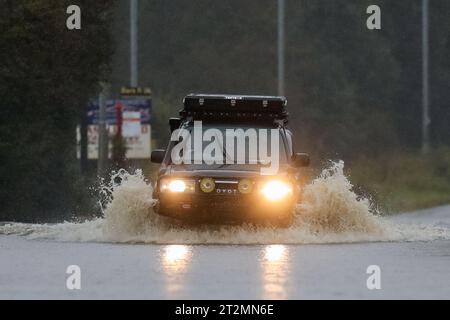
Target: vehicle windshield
(228, 146)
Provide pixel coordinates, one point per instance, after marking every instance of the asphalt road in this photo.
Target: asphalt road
(36, 268)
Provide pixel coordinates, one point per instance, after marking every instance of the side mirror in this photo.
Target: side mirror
(299, 160)
(157, 155)
(174, 123)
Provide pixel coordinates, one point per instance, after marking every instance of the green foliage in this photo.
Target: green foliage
(47, 75)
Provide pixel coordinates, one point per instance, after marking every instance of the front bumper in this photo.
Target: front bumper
(223, 208)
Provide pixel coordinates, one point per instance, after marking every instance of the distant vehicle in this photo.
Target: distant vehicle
(230, 191)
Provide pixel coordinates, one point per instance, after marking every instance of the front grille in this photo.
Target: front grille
(226, 187)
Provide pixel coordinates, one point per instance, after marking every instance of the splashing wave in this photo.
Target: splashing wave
(330, 213)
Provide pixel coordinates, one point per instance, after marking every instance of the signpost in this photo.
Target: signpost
(133, 123)
(102, 144)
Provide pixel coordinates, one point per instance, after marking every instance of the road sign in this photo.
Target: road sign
(136, 115)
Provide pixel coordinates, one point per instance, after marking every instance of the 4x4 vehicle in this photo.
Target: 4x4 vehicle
(239, 185)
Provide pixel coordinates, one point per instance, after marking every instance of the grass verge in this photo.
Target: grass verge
(405, 182)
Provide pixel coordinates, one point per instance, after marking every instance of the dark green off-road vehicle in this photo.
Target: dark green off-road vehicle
(240, 185)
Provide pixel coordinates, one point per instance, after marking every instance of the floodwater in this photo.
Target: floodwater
(132, 253)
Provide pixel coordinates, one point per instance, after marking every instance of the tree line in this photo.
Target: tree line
(352, 91)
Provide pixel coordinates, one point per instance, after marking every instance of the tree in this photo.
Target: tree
(47, 75)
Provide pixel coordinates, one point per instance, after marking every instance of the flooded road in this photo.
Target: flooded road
(131, 252)
(36, 268)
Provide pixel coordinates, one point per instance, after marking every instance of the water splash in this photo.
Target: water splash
(330, 206)
(128, 210)
(330, 213)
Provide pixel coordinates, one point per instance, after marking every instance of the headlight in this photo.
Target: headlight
(177, 186)
(276, 190)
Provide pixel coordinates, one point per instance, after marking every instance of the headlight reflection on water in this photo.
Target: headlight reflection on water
(175, 261)
(274, 262)
(176, 255)
(274, 253)
(275, 266)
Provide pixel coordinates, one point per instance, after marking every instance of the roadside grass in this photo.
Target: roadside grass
(404, 182)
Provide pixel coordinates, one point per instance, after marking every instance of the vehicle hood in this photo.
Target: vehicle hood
(180, 171)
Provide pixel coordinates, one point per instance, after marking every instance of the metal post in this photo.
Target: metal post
(280, 47)
(133, 43)
(425, 80)
(102, 133)
(83, 142)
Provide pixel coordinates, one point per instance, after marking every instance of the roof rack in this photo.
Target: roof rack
(238, 107)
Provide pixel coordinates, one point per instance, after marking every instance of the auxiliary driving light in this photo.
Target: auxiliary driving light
(177, 186)
(276, 190)
(245, 186)
(207, 185)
